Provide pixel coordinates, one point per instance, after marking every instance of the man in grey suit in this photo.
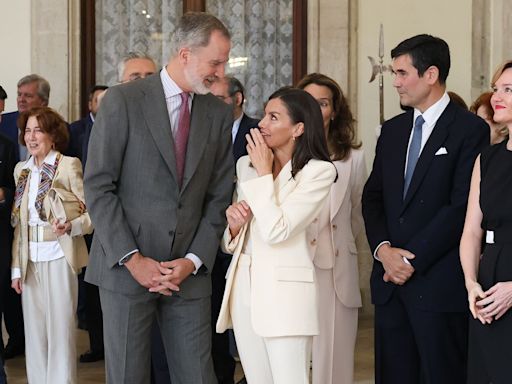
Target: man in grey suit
(158, 179)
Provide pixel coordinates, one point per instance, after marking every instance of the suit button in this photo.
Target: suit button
(336, 253)
(171, 233)
(334, 226)
(401, 220)
(313, 242)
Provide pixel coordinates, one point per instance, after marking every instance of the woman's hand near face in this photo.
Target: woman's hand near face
(237, 215)
(261, 155)
(60, 228)
(16, 285)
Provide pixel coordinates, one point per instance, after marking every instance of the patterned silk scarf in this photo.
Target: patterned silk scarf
(47, 175)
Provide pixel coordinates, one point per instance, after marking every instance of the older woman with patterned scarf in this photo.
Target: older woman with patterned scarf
(49, 220)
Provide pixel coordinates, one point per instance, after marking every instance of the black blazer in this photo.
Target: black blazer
(430, 220)
(240, 143)
(79, 133)
(9, 128)
(7, 163)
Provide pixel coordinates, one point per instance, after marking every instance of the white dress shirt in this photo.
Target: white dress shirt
(236, 127)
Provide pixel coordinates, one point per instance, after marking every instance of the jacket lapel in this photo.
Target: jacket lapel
(284, 181)
(85, 140)
(395, 169)
(200, 125)
(434, 142)
(240, 142)
(157, 120)
(344, 169)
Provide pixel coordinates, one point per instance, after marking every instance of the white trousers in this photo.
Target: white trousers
(333, 348)
(265, 360)
(49, 300)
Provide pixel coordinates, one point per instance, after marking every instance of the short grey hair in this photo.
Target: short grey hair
(130, 56)
(194, 30)
(43, 86)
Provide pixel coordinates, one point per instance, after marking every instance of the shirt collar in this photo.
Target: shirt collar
(432, 114)
(49, 159)
(171, 89)
(237, 121)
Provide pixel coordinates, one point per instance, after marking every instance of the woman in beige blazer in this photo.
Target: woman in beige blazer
(331, 238)
(48, 247)
(270, 298)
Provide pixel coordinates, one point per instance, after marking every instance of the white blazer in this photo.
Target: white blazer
(283, 289)
(346, 223)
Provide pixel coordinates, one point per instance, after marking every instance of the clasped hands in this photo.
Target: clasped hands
(61, 227)
(162, 277)
(489, 305)
(396, 269)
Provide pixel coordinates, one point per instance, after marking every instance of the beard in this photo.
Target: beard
(198, 85)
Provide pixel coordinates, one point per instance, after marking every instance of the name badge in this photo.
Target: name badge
(489, 237)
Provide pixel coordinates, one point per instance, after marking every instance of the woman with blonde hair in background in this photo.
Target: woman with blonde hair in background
(332, 237)
(49, 220)
(488, 277)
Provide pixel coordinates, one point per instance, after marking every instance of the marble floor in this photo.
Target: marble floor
(93, 373)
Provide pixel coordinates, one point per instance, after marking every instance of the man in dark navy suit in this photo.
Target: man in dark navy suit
(414, 205)
(230, 90)
(80, 131)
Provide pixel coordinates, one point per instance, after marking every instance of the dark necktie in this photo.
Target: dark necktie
(414, 152)
(181, 139)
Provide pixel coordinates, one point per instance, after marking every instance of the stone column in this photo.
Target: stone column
(55, 51)
(332, 50)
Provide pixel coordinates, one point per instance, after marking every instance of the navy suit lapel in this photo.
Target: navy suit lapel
(156, 116)
(399, 134)
(434, 142)
(240, 143)
(85, 141)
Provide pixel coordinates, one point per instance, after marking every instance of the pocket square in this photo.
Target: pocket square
(441, 151)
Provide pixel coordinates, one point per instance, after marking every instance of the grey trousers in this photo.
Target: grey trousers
(186, 334)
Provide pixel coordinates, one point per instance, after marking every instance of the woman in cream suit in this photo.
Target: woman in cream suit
(331, 238)
(48, 248)
(271, 294)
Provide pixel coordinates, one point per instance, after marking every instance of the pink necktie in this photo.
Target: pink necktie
(181, 139)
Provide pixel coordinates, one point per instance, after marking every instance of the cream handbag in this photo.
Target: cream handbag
(64, 205)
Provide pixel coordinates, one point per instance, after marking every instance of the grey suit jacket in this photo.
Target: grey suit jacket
(131, 186)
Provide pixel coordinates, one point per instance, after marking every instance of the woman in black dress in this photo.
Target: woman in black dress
(489, 220)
